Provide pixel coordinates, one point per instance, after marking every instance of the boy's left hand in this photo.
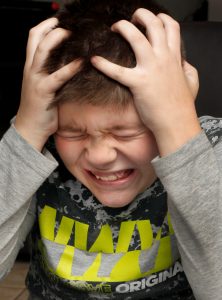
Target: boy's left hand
(164, 88)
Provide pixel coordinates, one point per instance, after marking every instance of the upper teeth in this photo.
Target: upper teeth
(107, 178)
(111, 177)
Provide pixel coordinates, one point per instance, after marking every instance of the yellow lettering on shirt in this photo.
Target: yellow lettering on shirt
(125, 236)
(47, 223)
(127, 266)
(64, 268)
(81, 235)
(104, 242)
(146, 233)
(65, 230)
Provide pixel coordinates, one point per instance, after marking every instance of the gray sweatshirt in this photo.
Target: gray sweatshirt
(191, 176)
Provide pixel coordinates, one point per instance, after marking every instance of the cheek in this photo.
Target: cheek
(145, 150)
(67, 151)
(151, 148)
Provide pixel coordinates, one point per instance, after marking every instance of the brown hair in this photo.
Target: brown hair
(89, 22)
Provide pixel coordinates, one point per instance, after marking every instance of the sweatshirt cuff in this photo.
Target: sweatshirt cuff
(44, 163)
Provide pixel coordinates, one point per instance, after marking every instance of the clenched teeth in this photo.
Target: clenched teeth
(113, 177)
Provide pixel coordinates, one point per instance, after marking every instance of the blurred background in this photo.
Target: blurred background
(18, 16)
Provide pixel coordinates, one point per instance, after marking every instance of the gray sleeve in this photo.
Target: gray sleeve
(22, 171)
(192, 179)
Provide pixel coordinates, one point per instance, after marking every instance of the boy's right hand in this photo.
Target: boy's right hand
(35, 119)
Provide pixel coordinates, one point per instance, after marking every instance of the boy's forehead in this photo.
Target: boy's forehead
(115, 118)
(96, 108)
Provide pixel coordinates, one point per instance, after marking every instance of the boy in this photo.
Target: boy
(102, 228)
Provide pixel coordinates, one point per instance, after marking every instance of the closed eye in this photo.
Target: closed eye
(129, 134)
(127, 137)
(72, 136)
(123, 137)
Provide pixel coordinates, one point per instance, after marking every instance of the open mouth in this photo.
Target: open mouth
(112, 177)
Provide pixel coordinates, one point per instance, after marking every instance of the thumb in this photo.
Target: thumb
(192, 78)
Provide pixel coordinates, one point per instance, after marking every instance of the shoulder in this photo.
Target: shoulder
(213, 128)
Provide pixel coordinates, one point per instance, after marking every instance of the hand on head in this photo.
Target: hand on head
(36, 119)
(164, 88)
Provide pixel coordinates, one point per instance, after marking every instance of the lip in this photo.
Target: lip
(122, 182)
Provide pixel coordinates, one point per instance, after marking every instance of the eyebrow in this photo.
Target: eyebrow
(124, 127)
(70, 128)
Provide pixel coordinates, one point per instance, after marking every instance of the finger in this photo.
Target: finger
(51, 40)
(137, 40)
(172, 30)
(36, 34)
(57, 79)
(154, 27)
(114, 71)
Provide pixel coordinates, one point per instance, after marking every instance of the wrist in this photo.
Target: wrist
(32, 136)
(177, 132)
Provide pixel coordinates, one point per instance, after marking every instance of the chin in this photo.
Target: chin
(114, 202)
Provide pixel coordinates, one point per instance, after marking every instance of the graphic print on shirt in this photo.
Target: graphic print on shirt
(111, 252)
(100, 260)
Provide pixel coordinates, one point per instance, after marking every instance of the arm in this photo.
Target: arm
(192, 177)
(164, 92)
(24, 163)
(23, 169)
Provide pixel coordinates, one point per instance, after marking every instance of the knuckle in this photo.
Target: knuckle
(169, 20)
(139, 39)
(157, 22)
(138, 11)
(121, 23)
(57, 77)
(41, 48)
(33, 31)
(120, 73)
(60, 31)
(175, 25)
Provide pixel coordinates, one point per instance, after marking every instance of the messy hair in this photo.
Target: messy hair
(90, 24)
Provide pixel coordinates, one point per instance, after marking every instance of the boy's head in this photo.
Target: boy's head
(89, 22)
(100, 137)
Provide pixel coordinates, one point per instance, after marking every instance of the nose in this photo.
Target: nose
(100, 153)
